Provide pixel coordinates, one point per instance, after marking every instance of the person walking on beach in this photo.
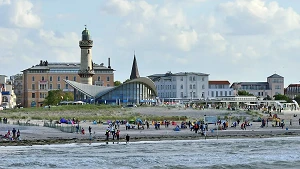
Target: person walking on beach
(127, 138)
(18, 134)
(299, 121)
(118, 134)
(14, 132)
(90, 130)
(82, 130)
(147, 123)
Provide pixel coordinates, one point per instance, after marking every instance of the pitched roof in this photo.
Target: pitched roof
(294, 85)
(134, 70)
(218, 82)
(275, 76)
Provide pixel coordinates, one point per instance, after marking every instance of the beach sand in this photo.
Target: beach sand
(39, 135)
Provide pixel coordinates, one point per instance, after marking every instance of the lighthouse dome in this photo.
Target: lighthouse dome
(85, 34)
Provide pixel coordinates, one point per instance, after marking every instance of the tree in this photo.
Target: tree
(282, 97)
(297, 99)
(54, 97)
(268, 98)
(244, 93)
(126, 80)
(117, 83)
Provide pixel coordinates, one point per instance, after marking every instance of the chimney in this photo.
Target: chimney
(109, 63)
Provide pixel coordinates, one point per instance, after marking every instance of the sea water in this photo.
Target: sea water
(273, 153)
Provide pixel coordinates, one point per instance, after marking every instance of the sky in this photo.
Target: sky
(234, 40)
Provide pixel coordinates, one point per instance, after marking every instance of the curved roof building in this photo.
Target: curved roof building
(135, 91)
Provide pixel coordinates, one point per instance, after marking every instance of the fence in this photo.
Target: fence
(24, 124)
(67, 129)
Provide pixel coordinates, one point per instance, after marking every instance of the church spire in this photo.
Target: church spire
(134, 70)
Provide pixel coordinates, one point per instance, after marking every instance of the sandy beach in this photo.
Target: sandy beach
(33, 135)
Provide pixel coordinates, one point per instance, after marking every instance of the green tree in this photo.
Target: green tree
(268, 98)
(297, 99)
(126, 80)
(282, 97)
(117, 83)
(54, 97)
(244, 93)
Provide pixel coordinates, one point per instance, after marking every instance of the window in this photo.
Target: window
(88, 51)
(32, 95)
(32, 87)
(107, 78)
(181, 87)
(212, 93)
(50, 78)
(191, 87)
(277, 87)
(67, 86)
(43, 78)
(217, 94)
(203, 87)
(202, 78)
(67, 77)
(50, 86)
(190, 78)
(74, 78)
(181, 78)
(229, 93)
(33, 78)
(174, 86)
(58, 86)
(99, 78)
(194, 86)
(194, 79)
(202, 95)
(194, 94)
(221, 93)
(58, 78)
(181, 94)
(108, 85)
(225, 93)
(174, 94)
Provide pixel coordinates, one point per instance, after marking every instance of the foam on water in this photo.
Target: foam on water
(210, 153)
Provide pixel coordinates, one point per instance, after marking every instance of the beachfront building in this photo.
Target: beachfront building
(8, 97)
(17, 81)
(138, 90)
(219, 88)
(43, 77)
(292, 90)
(274, 85)
(181, 87)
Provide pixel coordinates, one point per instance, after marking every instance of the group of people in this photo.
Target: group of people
(13, 135)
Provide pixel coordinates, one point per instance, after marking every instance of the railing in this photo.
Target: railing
(25, 124)
(67, 129)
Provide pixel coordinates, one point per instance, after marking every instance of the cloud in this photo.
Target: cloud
(57, 39)
(22, 15)
(258, 17)
(5, 2)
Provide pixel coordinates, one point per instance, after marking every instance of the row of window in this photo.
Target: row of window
(67, 78)
(173, 95)
(42, 95)
(217, 94)
(191, 78)
(218, 86)
(65, 71)
(169, 87)
(45, 87)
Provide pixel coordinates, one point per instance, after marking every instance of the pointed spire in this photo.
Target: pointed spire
(134, 70)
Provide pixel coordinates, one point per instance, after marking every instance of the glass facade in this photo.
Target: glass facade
(136, 92)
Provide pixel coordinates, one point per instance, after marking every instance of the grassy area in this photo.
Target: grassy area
(82, 112)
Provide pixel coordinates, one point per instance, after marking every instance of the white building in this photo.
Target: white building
(8, 96)
(273, 86)
(182, 86)
(219, 89)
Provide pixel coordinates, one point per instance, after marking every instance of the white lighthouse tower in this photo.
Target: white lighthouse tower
(86, 71)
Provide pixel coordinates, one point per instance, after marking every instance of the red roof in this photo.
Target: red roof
(294, 85)
(219, 82)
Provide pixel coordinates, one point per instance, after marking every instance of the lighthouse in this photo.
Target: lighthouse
(86, 71)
